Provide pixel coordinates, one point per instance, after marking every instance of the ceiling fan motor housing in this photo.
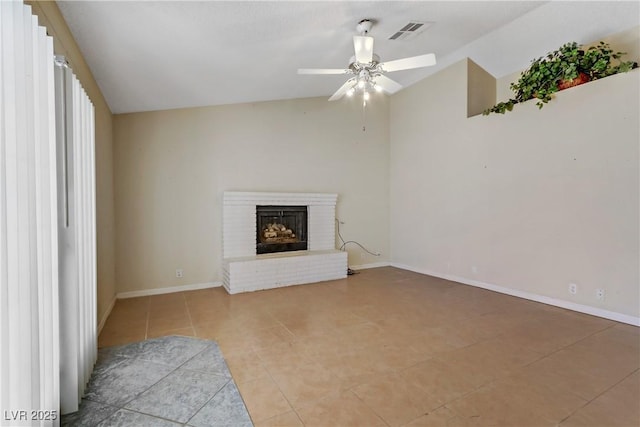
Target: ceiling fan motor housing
(356, 66)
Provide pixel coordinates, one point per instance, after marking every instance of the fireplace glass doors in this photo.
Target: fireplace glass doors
(281, 229)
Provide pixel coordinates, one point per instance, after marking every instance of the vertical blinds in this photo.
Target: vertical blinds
(29, 345)
(76, 236)
(48, 334)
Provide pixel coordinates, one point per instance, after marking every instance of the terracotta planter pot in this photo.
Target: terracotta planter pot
(565, 84)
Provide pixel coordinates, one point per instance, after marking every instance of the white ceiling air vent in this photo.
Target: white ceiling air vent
(410, 30)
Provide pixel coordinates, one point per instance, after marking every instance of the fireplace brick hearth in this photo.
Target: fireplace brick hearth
(244, 270)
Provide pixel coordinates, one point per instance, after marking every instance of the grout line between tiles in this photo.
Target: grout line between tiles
(370, 408)
(588, 402)
(212, 397)
(544, 356)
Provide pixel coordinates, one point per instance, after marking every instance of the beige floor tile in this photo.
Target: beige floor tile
(252, 321)
(435, 340)
(543, 337)
(588, 372)
(288, 419)
(305, 384)
(116, 333)
(125, 324)
(488, 407)
(362, 334)
(220, 317)
(108, 339)
(395, 357)
(245, 366)
(268, 337)
(443, 380)
(166, 299)
(168, 311)
(441, 417)
(353, 366)
(186, 332)
(163, 324)
(490, 359)
(545, 400)
(263, 399)
(131, 304)
(213, 330)
(344, 409)
(123, 317)
(285, 355)
(232, 342)
(395, 399)
(617, 407)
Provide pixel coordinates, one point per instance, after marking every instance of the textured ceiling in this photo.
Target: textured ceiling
(155, 55)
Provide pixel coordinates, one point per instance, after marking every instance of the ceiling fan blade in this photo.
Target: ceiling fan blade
(343, 89)
(363, 46)
(408, 63)
(323, 71)
(388, 85)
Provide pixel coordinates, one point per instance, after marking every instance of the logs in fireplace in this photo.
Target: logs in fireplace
(281, 229)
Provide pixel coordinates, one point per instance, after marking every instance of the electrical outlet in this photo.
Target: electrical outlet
(600, 293)
(573, 288)
(179, 273)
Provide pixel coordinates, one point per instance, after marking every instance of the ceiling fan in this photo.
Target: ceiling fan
(366, 68)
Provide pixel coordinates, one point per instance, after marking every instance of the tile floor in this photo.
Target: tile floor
(167, 381)
(389, 347)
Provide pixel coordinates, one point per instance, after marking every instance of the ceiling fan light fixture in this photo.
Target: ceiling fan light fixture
(368, 72)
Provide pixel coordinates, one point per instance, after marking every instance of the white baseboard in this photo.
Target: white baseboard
(105, 316)
(169, 290)
(594, 311)
(371, 265)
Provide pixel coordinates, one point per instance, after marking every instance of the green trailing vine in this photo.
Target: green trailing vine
(569, 65)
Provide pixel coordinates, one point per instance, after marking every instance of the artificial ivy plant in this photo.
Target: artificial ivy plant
(567, 66)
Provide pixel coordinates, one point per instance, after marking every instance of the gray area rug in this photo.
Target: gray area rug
(168, 381)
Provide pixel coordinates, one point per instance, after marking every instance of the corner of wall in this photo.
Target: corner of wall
(481, 89)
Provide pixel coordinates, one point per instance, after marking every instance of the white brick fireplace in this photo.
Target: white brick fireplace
(245, 271)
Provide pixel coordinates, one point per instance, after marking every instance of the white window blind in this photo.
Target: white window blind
(29, 351)
(48, 321)
(76, 234)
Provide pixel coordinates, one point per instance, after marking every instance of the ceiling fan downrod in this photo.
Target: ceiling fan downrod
(364, 27)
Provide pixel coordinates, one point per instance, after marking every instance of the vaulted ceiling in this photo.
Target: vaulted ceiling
(154, 55)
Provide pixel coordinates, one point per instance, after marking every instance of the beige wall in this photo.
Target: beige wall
(531, 200)
(49, 16)
(171, 168)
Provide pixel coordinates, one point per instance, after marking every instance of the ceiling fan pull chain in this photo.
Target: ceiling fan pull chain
(364, 115)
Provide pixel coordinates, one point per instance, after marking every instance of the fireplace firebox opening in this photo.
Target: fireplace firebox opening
(281, 229)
